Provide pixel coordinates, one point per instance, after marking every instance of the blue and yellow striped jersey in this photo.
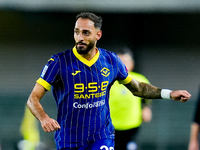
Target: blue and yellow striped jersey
(81, 90)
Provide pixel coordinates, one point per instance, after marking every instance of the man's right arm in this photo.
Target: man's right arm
(33, 103)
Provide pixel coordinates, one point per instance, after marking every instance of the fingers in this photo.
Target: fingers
(51, 128)
(50, 125)
(184, 99)
(185, 96)
(180, 95)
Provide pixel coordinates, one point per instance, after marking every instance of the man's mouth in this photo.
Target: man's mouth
(81, 44)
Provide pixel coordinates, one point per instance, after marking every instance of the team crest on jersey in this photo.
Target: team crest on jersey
(105, 72)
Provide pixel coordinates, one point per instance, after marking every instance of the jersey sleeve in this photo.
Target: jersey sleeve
(123, 76)
(49, 73)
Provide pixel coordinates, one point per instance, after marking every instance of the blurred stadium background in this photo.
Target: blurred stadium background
(165, 38)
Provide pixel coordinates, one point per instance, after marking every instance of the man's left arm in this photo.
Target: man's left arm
(149, 91)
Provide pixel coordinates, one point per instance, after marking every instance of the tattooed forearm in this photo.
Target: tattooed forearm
(144, 90)
(150, 92)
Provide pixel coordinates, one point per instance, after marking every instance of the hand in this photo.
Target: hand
(193, 145)
(146, 114)
(180, 95)
(49, 125)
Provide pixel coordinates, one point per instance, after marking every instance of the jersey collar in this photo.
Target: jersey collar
(85, 61)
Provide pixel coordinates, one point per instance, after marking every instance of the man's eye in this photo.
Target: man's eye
(86, 33)
(76, 32)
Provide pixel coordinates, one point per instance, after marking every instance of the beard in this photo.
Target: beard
(82, 50)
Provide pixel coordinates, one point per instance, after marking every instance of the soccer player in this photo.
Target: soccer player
(195, 127)
(81, 78)
(127, 111)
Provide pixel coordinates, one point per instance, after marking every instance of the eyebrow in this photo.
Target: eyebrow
(75, 29)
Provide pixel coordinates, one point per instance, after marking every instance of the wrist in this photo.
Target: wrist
(165, 94)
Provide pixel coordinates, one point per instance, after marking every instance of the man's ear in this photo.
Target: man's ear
(99, 34)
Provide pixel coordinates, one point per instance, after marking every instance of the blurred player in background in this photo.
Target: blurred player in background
(128, 111)
(30, 131)
(195, 128)
(81, 79)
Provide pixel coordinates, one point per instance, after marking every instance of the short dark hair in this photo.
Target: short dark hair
(87, 15)
(122, 50)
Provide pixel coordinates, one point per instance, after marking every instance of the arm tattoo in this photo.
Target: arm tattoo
(144, 90)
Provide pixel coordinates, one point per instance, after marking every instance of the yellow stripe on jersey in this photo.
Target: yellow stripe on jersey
(85, 61)
(51, 59)
(44, 83)
(127, 80)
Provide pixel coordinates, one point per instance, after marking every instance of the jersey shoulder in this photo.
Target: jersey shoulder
(109, 56)
(60, 55)
(106, 52)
